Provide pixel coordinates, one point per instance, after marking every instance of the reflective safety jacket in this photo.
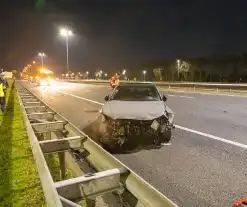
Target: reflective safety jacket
(1, 90)
(5, 84)
(114, 81)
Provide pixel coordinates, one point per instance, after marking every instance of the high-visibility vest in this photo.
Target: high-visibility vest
(4, 84)
(1, 90)
(114, 81)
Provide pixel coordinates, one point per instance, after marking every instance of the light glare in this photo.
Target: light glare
(65, 32)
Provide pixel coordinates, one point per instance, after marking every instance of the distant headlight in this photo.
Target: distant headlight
(52, 82)
(43, 83)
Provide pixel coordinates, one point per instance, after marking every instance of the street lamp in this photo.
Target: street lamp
(144, 74)
(87, 74)
(178, 62)
(42, 55)
(34, 62)
(66, 33)
(124, 73)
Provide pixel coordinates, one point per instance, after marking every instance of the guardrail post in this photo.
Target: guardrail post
(217, 90)
(169, 88)
(230, 90)
(194, 88)
(48, 135)
(61, 156)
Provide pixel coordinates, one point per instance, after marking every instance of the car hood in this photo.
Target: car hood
(137, 110)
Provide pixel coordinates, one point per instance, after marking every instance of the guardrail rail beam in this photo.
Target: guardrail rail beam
(48, 126)
(64, 144)
(35, 109)
(41, 115)
(93, 185)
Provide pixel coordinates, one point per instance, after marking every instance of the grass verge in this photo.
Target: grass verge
(19, 180)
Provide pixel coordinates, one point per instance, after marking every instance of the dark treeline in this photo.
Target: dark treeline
(206, 69)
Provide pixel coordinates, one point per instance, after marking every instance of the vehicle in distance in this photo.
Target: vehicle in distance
(44, 77)
(133, 111)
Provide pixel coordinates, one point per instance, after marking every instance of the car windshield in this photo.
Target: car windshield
(136, 93)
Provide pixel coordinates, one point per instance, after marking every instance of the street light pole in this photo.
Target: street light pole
(178, 62)
(42, 60)
(66, 33)
(144, 74)
(67, 46)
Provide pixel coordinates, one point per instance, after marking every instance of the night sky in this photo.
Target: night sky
(118, 33)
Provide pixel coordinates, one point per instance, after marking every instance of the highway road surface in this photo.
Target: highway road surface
(206, 163)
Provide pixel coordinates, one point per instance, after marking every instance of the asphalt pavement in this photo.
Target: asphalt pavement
(206, 163)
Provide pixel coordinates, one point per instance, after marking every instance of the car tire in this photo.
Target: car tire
(166, 137)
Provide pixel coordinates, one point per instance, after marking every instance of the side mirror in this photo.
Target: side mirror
(164, 98)
(106, 98)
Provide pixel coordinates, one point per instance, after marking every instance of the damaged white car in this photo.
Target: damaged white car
(132, 111)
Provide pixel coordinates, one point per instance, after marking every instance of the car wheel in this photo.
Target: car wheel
(166, 137)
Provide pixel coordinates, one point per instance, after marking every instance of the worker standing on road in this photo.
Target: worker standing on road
(2, 94)
(114, 81)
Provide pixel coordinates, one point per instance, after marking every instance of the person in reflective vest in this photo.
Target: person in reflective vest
(114, 81)
(2, 97)
(3, 90)
(5, 83)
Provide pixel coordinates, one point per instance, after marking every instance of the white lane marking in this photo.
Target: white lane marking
(204, 93)
(180, 96)
(186, 97)
(85, 99)
(177, 126)
(213, 137)
(166, 144)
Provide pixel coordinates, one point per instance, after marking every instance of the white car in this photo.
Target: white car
(133, 111)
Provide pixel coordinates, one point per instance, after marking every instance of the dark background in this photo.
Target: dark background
(120, 34)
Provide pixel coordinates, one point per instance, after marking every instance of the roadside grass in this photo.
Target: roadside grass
(19, 180)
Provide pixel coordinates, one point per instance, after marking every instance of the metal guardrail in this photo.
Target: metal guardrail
(111, 175)
(188, 86)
